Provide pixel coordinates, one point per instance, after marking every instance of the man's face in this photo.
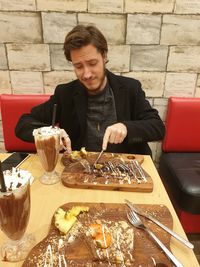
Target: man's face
(89, 66)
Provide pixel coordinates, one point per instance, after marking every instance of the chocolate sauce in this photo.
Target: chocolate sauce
(15, 212)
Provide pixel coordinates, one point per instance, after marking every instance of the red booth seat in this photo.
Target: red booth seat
(12, 107)
(182, 125)
(179, 165)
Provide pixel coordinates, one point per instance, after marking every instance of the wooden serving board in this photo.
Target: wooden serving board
(74, 175)
(145, 252)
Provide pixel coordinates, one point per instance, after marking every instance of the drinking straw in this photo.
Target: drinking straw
(2, 181)
(54, 115)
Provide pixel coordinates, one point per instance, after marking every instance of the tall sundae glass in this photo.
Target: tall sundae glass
(14, 216)
(47, 142)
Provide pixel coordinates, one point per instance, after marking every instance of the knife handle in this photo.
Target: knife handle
(178, 237)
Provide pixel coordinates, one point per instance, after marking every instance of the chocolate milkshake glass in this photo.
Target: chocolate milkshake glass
(47, 142)
(14, 217)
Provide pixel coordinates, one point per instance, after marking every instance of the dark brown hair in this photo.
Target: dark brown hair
(84, 35)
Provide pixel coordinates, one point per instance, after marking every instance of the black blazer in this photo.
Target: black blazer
(142, 121)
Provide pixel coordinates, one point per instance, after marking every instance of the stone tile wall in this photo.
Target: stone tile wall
(157, 42)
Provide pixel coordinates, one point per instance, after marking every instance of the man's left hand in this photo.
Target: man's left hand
(65, 142)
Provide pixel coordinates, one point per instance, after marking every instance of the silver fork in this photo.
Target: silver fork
(135, 221)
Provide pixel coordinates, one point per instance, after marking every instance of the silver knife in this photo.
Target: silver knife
(98, 157)
(150, 217)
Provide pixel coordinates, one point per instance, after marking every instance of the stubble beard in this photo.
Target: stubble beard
(100, 87)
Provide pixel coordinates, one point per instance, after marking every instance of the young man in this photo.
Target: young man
(99, 110)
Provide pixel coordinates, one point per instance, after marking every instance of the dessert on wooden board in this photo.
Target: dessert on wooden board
(112, 172)
(93, 234)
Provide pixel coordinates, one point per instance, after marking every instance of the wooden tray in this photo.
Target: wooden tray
(145, 253)
(74, 175)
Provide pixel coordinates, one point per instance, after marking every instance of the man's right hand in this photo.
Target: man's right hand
(114, 134)
(65, 141)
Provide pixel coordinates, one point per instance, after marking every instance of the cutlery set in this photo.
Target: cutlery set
(150, 217)
(134, 219)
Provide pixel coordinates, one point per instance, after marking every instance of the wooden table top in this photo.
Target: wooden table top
(45, 199)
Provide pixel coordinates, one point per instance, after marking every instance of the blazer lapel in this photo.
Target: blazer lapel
(120, 94)
(80, 100)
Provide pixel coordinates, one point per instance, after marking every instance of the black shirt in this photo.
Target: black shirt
(101, 113)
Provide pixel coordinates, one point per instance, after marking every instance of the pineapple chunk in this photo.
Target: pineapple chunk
(75, 211)
(83, 152)
(78, 155)
(75, 155)
(98, 166)
(65, 220)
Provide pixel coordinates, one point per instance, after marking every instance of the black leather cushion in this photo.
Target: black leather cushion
(180, 173)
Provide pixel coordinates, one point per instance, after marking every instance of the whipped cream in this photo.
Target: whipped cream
(16, 178)
(46, 131)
